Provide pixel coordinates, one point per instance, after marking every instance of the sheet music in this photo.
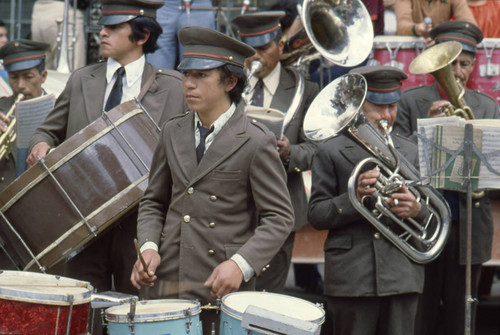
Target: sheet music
(29, 115)
(489, 167)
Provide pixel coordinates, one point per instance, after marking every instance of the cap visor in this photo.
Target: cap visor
(383, 98)
(22, 65)
(199, 64)
(260, 40)
(109, 20)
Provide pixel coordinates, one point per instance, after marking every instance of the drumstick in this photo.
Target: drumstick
(139, 254)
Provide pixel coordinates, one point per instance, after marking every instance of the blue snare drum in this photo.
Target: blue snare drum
(236, 306)
(155, 317)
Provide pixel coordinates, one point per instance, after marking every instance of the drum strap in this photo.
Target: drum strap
(146, 86)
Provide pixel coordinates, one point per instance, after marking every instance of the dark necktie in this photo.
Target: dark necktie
(115, 96)
(200, 149)
(258, 94)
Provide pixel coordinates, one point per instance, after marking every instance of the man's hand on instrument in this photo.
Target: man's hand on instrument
(225, 278)
(145, 277)
(39, 151)
(404, 204)
(4, 122)
(437, 108)
(365, 183)
(284, 148)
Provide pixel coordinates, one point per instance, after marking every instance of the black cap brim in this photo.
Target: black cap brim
(383, 98)
(110, 20)
(189, 63)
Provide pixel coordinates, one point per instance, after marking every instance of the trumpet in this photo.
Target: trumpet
(9, 136)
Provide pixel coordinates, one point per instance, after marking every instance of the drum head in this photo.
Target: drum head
(235, 304)
(154, 310)
(43, 288)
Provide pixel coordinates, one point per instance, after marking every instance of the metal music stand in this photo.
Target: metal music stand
(469, 148)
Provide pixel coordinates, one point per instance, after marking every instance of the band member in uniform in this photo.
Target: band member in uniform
(130, 30)
(24, 62)
(275, 86)
(216, 209)
(370, 285)
(443, 302)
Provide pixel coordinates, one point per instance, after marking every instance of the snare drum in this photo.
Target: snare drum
(399, 51)
(486, 74)
(166, 317)
(234, 305)
(36, 303)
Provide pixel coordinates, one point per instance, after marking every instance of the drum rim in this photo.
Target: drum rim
(239, 316)
(156, 316)
(17, 294)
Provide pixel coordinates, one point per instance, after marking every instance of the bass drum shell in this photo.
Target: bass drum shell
(90, 180)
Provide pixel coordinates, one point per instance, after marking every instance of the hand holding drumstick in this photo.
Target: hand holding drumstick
(143, 273)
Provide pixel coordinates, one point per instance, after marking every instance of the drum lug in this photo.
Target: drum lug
(189, 322)
(131, 316)
(70, 300)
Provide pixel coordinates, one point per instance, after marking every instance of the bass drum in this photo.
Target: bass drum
(486, 74)
(399, 51)
(79, 190)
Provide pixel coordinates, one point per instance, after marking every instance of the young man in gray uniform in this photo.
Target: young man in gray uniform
(276, 86)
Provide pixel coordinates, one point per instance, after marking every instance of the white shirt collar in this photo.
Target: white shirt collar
(133, 70)
(271, 81)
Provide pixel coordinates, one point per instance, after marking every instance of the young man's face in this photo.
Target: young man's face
(29, 82)
(269, 55)
(375, 113)
(205, 92)
(116, 42)
(3, 36)
(462, 67)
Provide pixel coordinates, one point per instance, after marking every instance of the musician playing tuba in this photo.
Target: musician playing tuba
(276, 86)
(429, 101)
(24, 60)
(371, 286)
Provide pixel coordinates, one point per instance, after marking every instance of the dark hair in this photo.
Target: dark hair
(278, 37)
(229, 70)
(2, 24)
(140, 26)
(40, 67)
(291, 12)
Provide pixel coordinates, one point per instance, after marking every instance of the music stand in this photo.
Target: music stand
(468, 148)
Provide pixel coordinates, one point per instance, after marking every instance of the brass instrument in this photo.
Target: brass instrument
(9, 136)
(437, 61)
(255, 67)
(64, 47)
(341, 31)
(338, 110)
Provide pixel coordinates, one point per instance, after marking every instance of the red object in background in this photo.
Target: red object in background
(486, 74)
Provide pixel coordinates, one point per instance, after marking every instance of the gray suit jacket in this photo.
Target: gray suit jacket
(414, 104)
(202, 214)
(81, 102)
(302, 150)
(358, 260)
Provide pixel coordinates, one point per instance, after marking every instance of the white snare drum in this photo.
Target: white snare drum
(276, 313)
(486, 74)
(399, 51)
(36, 303)
(167, 316)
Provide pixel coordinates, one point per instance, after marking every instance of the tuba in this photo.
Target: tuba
(437, 61)
(337, 110)
(9, 136)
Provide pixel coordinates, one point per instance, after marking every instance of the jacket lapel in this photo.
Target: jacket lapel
(230, 138)
(183, 146)
(94, 86)
(284, 93)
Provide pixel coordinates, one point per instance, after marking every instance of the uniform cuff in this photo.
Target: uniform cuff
(149, 245)
(246, 269)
